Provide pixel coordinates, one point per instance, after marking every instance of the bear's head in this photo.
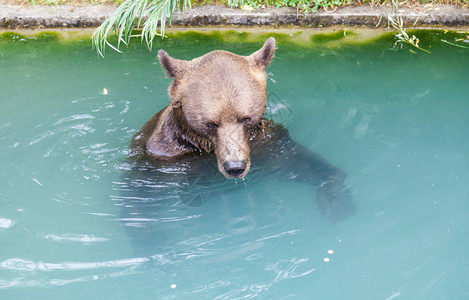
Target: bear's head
(222, 97)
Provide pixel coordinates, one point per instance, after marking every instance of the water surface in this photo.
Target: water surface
(395, 121)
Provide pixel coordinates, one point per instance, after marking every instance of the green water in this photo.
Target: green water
(395, 121)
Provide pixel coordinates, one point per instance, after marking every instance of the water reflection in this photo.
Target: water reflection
(22, 272)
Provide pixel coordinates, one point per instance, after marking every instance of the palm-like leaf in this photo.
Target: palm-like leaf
(130, 15)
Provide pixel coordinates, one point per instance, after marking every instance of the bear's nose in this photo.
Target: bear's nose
(234, 168)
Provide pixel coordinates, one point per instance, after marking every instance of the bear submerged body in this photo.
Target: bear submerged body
(214, 129)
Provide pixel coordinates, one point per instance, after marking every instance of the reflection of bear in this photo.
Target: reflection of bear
(217, 105)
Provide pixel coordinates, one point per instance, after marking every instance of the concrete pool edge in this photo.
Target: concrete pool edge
(69, 16)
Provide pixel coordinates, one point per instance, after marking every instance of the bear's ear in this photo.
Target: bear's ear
(261, 58)
(173, 67)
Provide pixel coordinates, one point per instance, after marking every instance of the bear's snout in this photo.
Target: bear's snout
(234, 168)
(232, 150)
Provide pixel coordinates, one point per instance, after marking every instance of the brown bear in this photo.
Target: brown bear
(217, 108)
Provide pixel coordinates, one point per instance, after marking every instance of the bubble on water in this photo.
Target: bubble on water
(5, 223)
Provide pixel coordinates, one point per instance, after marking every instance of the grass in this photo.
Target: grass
(300, 5)
(59, 2)
(397, 23)
(130, 14)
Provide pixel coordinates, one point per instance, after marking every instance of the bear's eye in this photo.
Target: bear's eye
(246, 120)
(211, 125)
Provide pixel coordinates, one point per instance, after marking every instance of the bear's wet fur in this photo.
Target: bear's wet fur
(217, 104)
(217, 110)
